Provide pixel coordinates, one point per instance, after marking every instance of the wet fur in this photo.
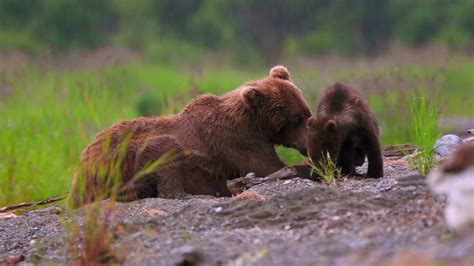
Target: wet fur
(214, 138)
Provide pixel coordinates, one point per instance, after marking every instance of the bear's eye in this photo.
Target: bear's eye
(297, 121)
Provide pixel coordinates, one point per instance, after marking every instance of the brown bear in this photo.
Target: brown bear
(195, 151)
(345, 128)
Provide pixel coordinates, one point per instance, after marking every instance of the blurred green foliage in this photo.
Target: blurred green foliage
(245, 29)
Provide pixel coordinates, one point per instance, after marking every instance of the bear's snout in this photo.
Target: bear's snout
(301, 147)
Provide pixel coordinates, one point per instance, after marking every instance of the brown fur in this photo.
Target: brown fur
(461, 159)
(346, 128)
(213, 139)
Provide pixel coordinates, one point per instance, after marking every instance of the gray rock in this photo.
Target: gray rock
(189, 256)
(447, 144)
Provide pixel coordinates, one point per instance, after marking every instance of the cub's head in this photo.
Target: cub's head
(278, 108)
(323, 138)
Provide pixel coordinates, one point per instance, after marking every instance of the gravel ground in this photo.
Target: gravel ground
(390, 221)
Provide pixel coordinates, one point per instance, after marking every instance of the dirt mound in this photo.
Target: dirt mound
(298, 222)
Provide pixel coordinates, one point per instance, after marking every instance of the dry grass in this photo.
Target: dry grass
(93, 243)
(249, 195)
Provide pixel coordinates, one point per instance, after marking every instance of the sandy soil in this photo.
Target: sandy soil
(394, 220)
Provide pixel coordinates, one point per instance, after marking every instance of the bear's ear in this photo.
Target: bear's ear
(339, 85)
(252, 97)
(331, 126)
(280, 72)
(311, 122)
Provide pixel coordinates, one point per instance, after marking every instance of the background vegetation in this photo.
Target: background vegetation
(249, 30)
(68, 69)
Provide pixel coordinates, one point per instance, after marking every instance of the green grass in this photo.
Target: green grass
(424, 133)
(326, 169)
(49, 116)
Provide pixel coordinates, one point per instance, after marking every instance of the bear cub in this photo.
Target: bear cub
(346, 129)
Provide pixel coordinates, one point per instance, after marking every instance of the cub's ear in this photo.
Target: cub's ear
(331, 126)
(280, 72)
(252, 97)
(311, 122)
(339, 85)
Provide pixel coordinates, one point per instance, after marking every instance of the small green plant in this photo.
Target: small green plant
(424, 133)
(185, 234)
(326, 168)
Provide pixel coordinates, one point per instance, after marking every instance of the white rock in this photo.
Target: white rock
(251, 175)
(459, 188)
(447, 144)
(217, 209)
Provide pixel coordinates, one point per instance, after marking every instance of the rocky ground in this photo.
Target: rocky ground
(394, 220)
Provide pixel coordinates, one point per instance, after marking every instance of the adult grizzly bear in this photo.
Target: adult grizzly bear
(346, 129)
(195, 151)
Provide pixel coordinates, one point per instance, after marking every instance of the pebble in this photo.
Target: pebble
(251, 175)
(217, 209)
(447, 144)
(189, 255)
(408, 188)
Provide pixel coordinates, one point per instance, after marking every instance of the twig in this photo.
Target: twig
(240, 184)
(398, 150)
(32, 204)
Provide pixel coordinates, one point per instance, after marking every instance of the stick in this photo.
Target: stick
(240, 184)
(398, 150)
(32, 204)
(284, 173)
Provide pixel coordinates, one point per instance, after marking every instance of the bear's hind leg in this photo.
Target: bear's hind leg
(158, 171)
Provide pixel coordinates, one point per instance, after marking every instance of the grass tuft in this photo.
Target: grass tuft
(424, 133)
(326, 169)
(93, 243)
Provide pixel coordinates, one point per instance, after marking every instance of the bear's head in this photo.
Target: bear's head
(323, 138)
(278, 108)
